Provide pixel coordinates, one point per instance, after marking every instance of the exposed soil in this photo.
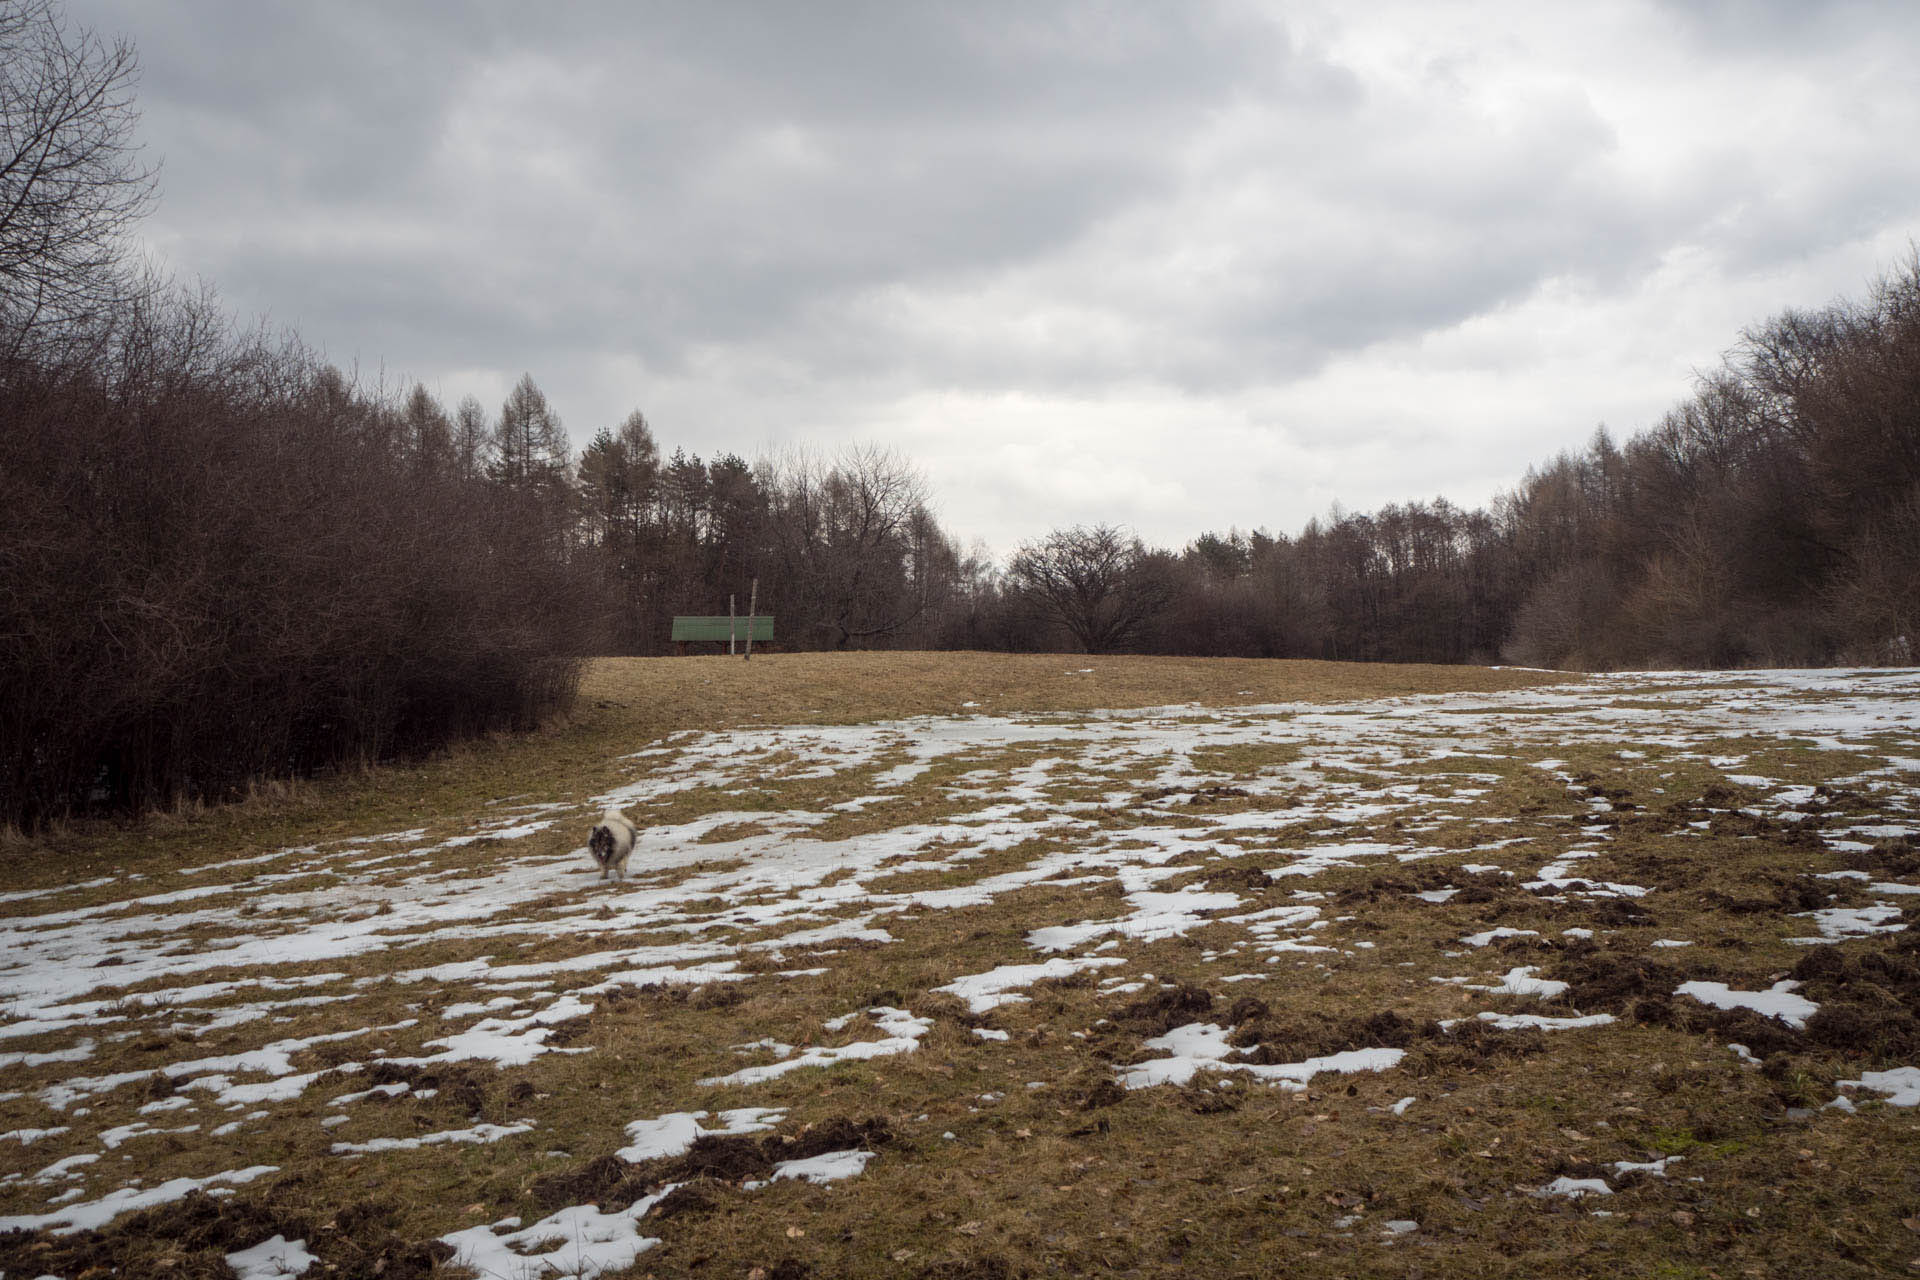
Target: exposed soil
(1869, 1000)
(1613, 982)
(606, 1181)
(839, 1134)
(1315, 1035)
(1899, 856)
(1165, 1010)
(1240, 877)
(612, 1183)
(992, 1267)
(462, 1086)
(190, 1239)
(1212, 794)
(1470, 1044)
(696, 1197)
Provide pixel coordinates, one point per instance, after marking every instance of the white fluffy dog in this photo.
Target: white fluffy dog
(611, 843)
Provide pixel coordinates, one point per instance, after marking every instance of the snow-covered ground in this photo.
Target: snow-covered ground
(742, 892)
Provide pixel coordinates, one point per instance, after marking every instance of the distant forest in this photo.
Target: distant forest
(223, 559)
(1772, 519)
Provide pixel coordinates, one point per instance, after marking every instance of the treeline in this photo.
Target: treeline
(220, 561)
(1772, 519)
(845, 550)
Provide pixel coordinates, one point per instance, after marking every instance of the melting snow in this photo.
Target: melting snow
(1574, 1188)
(97, 1213)
(271, 1258)
(674, 1134)
(830, 1167)
(1202, 1046)
(479, 1134)
(984, 991)
(580, 1241)
(1777, 1001)
(905, 1035)
(704, 908)
(1901, 1085)
(1521, 982)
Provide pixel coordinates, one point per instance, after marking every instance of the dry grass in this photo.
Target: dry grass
(848, 688)
(979, 1176)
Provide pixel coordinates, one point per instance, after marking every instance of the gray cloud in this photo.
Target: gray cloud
(1286, 231)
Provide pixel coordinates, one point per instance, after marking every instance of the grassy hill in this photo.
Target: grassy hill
(962, 965)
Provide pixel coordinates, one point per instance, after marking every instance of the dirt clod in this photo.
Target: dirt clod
(462, 1086)
(1165, 1010)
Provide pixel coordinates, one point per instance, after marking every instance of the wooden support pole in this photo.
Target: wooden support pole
(731, 624)
(753, 607)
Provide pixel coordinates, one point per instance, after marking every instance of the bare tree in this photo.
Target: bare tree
(1100, 583)
(472, 439)
(71, 179)
(428, 431)
(844, 534)
(530, 445)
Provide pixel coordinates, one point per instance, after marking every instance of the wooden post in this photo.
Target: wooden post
(730, 625)
(753, 606)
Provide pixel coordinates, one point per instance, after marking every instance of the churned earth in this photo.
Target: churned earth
(1603, 976)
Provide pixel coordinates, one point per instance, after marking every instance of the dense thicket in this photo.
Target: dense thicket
(220, 561)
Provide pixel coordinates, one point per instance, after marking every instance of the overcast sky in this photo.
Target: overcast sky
(1179, 266)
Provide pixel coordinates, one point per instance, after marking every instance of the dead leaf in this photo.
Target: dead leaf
(969, 1228)
(1911, 1224)
(1680, 1218)
(794, 1233)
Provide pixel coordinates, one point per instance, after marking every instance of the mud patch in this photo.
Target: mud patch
(1780, 894)
(1212, 794)
(1899, 856)
(1165, 1010)
(1471, 1044)
(462, 1086)
(606, 1181)
(726, 1159)
(840, 1134)
(1275, 1041)
(1240, 878)
(991, 1267)
(1612, 982)
(697, 1197)
(190, 1239)
(1869, 1000)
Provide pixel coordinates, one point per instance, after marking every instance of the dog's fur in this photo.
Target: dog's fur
(611, 843)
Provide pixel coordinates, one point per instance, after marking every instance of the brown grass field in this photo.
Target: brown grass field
(1072, 966)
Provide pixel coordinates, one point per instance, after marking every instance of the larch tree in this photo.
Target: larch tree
(529, 444)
